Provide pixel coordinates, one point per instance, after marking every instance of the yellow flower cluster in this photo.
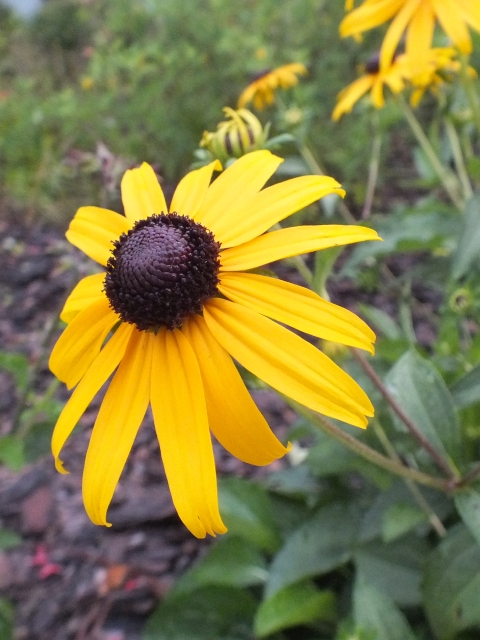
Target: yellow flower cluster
(421, 66)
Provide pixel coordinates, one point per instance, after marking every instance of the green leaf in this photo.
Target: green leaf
(319, 545)
(295, 482)
(395, 569)
(452, 584)
(9, 539)
(468, 505)
(469, 241)
(231, 561)
(297, 604)
(381, 321)
(466, 391)
(17, 365)
(11, 452)
(399, 519)
(375, 612)
(247, 512)
(211, 613)
(421, 392)
(406, 230)
(6, 620)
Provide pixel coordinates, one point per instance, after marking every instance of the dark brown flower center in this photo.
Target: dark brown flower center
(163, 270)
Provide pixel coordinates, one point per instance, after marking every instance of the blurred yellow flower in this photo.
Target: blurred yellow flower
(180, 302)
(436, 70)
(87, 83)
(240, 133)
(374, 80)
(418, 18)
(261, 53)
(262, 90)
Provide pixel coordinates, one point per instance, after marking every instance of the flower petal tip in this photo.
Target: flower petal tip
(59, 467)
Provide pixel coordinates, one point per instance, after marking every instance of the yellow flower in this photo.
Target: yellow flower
(373, 81)
(418, 18)
(181, 303)
(262, 90)
(240, 133)
(87, 83)
(439, 67)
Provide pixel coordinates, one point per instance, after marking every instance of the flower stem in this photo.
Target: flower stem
(470, 91)
(411, 426)
(447, 178)
(363, 450)
(458, 159)
(316, 168)
(412, 487)
(372, 173)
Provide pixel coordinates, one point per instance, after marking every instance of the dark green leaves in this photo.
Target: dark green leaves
(247, 512)
(320, 545)
(452, 584)
(423, 395)
(297, 604)
(211, 613)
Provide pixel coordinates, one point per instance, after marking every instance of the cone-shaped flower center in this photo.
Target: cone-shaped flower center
(161, 271)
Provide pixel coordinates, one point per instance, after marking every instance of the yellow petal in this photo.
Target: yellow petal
(470, 10)
(85, 293)
(248, 220)
(369, 15)
(116, 426)
(351, 94)
(181, 423)
(192, 189)
(236, 185)
(98, 373)
(232, 414)
(80, 343)
(451, 21)
(395, 32)
(291, 242)
(142, 195)
(93, 230)
(297, 307)
(420, 34)
(287, 362)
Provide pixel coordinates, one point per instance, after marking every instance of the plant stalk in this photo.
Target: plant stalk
(367, 452)
(411, 426)
(447, 178)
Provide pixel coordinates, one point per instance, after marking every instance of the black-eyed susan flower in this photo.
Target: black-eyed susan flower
(417, 18)
(178, 302)
(439, 67)
(373, 80)
(239, 134)
(262, 90)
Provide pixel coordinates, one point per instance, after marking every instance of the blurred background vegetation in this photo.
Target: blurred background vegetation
(145, 78)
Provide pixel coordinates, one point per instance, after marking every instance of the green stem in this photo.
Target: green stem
(372, 175)
(316, 168)
(470, 91)
(458, 159)
(363, 450)
(412, 487)
(447, 178)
